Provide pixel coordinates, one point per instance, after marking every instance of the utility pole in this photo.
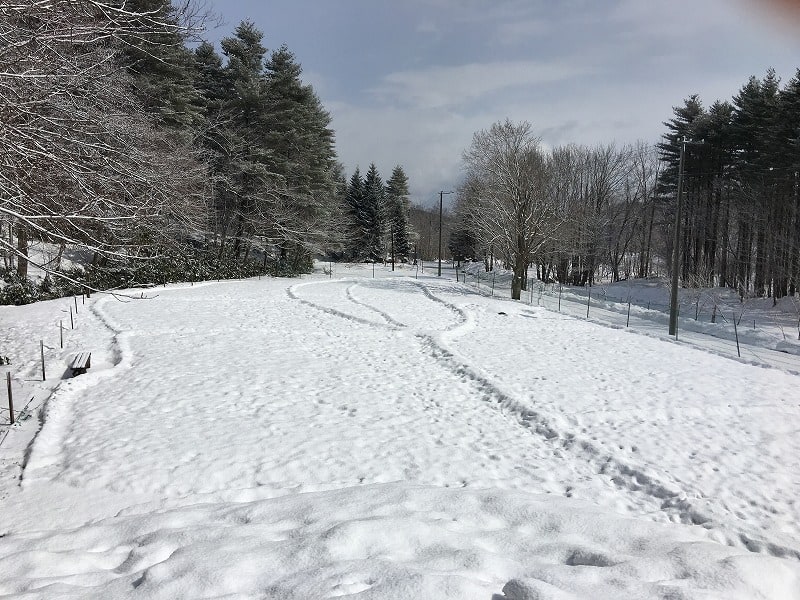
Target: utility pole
(441, 194)
(676, 250)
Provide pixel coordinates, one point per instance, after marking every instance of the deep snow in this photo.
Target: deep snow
(389, 438)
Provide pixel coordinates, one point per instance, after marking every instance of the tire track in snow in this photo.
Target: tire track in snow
(292, 292)
(668, 497)
(386, 316)
(664, 497)
(625, 477)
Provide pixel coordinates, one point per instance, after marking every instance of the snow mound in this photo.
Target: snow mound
(389, 541)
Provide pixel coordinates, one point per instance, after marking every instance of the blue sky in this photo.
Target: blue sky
(409, 81)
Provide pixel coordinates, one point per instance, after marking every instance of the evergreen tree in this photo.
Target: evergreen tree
(162, 67)
(788, 132)
(244, 178)
(752, 129)
(296, 129)
(680, 127)
(788, 138)
(740, 225)
(712, 215)
(397, 202)
(374, 215)
(463, 243)
(358, 217)
(210, 80)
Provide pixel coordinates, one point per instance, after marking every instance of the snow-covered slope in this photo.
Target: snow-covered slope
(392, 438)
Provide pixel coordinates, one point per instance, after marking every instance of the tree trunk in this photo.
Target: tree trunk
(61, 247)
(724, 278)
(520, 264)
(22, 250)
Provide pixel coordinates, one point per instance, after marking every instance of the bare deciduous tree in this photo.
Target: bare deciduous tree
(80, 161)
(513, 207)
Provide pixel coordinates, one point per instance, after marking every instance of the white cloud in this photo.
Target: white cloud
(440, 86)
(513, 32)
(427, 26)
(426, 142)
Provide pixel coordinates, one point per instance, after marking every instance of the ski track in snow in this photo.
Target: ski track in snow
(658, 493)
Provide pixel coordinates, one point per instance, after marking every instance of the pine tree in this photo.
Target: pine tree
(397, 202)
(713, 216)
(752, 130)
(788, 138)
(162, 67)
(788, 133)
(244, 177)
(374, 215)
(296, 129)
(463, 243)
(680, 127)
(357, 217)
(210, 80)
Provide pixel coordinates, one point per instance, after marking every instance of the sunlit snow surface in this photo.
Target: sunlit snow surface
(396, 438)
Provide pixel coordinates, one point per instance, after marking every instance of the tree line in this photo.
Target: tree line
(128, 139)
(379, 217)
(741, 223)
(573, 213)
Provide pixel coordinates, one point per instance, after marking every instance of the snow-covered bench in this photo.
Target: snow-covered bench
(80, 362)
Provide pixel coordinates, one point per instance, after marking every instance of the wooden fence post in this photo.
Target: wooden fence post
(628, 322)
(10, 397)
(71, 321)
(589, 302)
(41, 347)
(61, 331)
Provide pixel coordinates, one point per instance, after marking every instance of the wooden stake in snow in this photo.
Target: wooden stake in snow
(71, 321)
(736, 333)
(61, 331)
(560, 288)
(628, 322)
(41, 347)
(589, 302)
(76, 304)
(10, 398)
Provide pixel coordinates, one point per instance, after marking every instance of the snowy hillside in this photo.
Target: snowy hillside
(388, 438)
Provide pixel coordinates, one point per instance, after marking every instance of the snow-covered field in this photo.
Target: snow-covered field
(388, 438)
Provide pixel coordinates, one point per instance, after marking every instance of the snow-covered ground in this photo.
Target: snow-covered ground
(396, 437)
(716, 320)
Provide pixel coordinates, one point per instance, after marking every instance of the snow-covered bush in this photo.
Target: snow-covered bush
(18, 290)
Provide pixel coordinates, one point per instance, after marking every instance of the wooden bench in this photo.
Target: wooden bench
(80, 362)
